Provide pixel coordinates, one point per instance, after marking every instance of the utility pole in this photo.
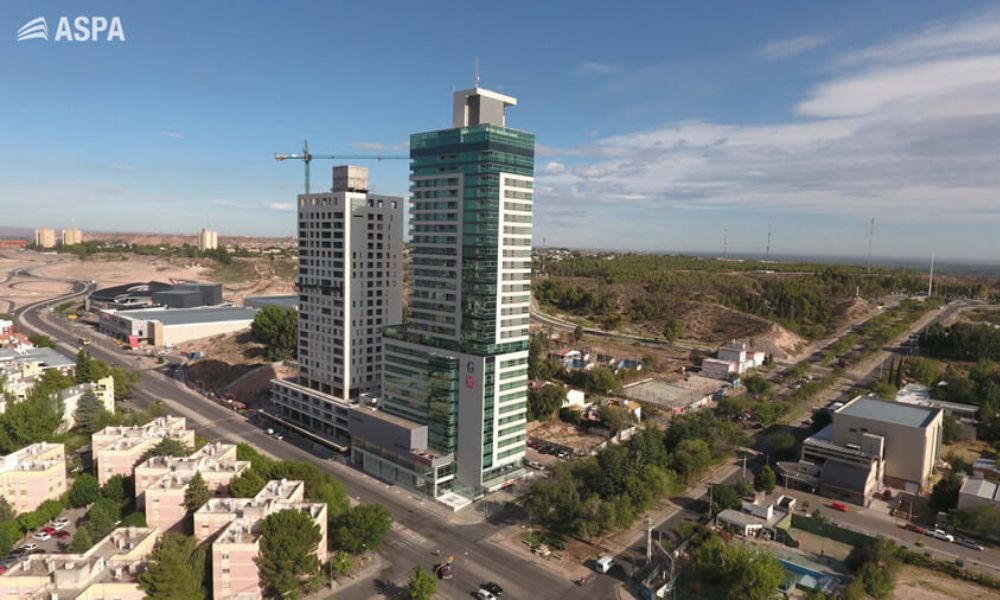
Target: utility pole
(767, 251)
(930, 280)
(743, 475)
(871, 236)
(649, 539)
(725, 244)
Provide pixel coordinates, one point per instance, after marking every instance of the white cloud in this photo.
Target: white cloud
(369, 146)
(227, 204)
(172, 135)
(554, 167)
(281, 206)
(899, 138)
(979, 33)
(791, 47)
(592, 67)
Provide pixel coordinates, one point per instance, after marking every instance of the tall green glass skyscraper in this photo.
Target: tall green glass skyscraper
(460, 364)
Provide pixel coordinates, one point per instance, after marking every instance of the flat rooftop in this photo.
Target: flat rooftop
(47, 356)
(886, 411)
(284, 301)
(673, 394)
(388, 417)
(981, 488)
(191, 316)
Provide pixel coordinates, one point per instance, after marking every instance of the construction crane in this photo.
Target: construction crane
(307, 157)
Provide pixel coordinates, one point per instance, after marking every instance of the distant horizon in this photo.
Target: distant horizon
(942, 263)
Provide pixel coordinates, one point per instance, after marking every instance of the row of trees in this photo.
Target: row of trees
(609, 491)
(962, 341)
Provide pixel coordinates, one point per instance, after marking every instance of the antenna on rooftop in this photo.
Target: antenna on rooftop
(477, 71)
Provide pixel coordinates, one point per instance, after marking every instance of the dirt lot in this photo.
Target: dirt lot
(921, 584)
(565, 434)
(228, 358)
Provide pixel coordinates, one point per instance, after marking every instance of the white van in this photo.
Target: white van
(605, 563)
(941, 535)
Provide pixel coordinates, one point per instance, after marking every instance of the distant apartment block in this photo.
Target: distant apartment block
(109, 570)
(103, 390)
(45, 237)
(33, 475)
(162, 481)
(732, 360)
(72, 236)
(350, 284)
(116, 450)
(208, 240)
(235, 524)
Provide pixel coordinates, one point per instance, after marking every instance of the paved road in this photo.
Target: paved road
(875, 524)
(420, 527)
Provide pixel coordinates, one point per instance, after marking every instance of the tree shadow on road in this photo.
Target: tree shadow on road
(390, 589)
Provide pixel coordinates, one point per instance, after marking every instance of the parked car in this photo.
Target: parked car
(973, 544)
(493, 588)
(915, 528)
(49, 530)
(63, 520)
(839, 506)
(484, 594)
(57, 526)
(42, 536)
(941, 535)
(62, 535)
(604, 564)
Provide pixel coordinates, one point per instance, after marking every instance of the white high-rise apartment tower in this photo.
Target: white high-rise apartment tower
(350, 286)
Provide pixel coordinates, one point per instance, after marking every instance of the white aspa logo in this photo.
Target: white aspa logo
(80, 29)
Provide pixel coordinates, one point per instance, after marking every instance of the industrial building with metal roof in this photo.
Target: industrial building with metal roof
(168, 326)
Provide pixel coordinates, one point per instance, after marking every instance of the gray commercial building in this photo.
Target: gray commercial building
(350, 283)
(871, 444)
(170, 326)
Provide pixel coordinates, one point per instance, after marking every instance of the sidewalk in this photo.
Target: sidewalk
(373, 565)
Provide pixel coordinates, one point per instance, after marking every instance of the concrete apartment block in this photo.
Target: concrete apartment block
(235, 523)
(72, 236)
(208, 240)
(45, 237)
(33, 475)
(102, 389)
(164, 498)
(204, 460)
(116, 450)
(110, 569)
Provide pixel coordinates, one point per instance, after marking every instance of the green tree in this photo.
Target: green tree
(6, 510)
(102, 517)
(81, 541)
(544, 401)
(197, 493)
(725, 496)
(770, 412)
(691, 457)
(125, 382)
(884, 390)
(951, 430)
(10, 534)
(277, 328)
(287, 562)
(673, 329)
(166, 447)
(944, 495)
(341, 564)
(758, 387)
(247, 484)
(41, 341)
(578, 333)
(615, 417)
(90, 415)
(84, 491)
(118, 489)
(175, 570)
(363, 527)
(422, 585)
(765, 480)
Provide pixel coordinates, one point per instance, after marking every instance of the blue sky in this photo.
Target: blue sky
(659, 125)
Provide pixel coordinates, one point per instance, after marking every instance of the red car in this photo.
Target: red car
(914, 528)
(61, 535)
(839, 506)
(49, 530)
